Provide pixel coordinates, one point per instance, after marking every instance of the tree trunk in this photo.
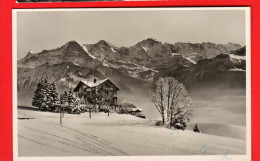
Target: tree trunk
(90, 114)
(171, 120)
(171, 117)
(162, 108)
(61, 115)
(168, 105)
(163, 119)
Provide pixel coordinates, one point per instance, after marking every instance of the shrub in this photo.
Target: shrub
(159, 123)
(179, 124)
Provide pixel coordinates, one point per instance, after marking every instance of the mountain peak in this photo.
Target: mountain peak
(235, 45)
(103, 42)
(148, 42)
(240, 51)
(231, 43)
(73, 47)
(71, 43)
(29, 53)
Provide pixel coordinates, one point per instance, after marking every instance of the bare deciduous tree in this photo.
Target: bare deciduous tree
(173, 102)
(158, 98)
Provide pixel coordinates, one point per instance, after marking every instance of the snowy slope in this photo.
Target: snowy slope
(108, 136)
(237, 57)
(233, 131)
(236, 70)
(86, 50)
(189, 59)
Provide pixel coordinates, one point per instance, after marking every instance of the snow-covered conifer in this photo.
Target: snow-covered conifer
(45, 96)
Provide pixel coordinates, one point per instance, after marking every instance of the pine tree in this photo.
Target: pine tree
(46, 96)
(54, 99)
(70, 100)
(40, 95)
(63, 97)
(73, 102)
(63, 102)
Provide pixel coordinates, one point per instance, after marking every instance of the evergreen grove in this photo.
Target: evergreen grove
(46, 98)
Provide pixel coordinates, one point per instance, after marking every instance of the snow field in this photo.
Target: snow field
(116, 135)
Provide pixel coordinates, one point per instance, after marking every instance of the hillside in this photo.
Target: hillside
(117, 135)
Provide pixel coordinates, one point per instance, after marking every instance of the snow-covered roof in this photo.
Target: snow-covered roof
(97, 83)
(92, 84)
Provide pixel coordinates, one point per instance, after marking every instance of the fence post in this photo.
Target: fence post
(61, 115)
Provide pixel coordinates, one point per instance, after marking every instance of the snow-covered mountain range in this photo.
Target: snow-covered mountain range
(137, 66)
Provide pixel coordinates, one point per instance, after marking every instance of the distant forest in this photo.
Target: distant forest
(62, 0)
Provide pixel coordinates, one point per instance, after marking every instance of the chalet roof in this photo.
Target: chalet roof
(92, 84)
(97, 83)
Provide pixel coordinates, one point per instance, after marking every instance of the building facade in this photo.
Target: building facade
(98, 91)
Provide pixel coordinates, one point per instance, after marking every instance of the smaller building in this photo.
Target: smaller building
(94, 91)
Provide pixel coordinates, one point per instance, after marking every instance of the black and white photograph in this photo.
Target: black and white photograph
(118, 83)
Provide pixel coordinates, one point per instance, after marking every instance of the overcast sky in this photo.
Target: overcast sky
(51, 29)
